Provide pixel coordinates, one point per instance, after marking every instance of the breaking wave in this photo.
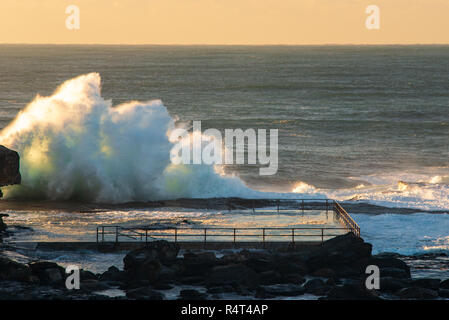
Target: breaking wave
(76, 145)
(427, 191)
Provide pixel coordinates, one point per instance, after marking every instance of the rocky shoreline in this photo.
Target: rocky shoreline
(333, 271)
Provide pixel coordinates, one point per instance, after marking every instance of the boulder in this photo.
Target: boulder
(90, 285)
(444, 284)
(13, 270)
(270, 277)
(390, 284)
(417, 293)
(145, 263)
(388, 266)
(87, 275)
(208, 256)
(351, 292)
(428, 283)
(234, 273)
(112, 274)
(146, 270)
(285, 290)
(317, 287)
(163, 251)
(144, 293)
(2, 224)
(344, 250)
(444, 293)
(221, 289)
(9, 167)
(190, 294)
(324, 273)
(48, 272)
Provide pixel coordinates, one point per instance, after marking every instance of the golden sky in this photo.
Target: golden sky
(225, 22)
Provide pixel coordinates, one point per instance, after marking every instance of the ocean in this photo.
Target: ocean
(356, 123)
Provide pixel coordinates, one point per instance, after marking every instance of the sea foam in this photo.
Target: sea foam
(76, 145)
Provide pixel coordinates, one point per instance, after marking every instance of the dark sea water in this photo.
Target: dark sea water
(366, 123)
(342, 112)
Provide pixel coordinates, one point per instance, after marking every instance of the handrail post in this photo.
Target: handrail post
(322, 235)
(293, 235)
(116, 234)
(102, 234)
(205, 236)
(263, 237)
(234, 235)
(176, 235)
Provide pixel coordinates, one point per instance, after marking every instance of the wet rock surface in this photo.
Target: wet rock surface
(335, 271)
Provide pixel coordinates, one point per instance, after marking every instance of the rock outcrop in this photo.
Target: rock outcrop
(9, 167)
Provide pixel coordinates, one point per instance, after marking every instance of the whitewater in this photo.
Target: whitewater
(75, 145)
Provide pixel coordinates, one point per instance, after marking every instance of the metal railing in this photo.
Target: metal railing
(347, 219)
(225, 234)
(229, 234)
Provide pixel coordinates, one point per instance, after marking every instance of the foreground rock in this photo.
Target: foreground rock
(334, 270)
(9, 167)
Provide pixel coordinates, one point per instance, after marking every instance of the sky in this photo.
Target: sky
(251, 22)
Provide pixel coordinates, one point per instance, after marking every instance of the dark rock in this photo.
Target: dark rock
(221, 289)
(196, 268)
(191, 294)
(9, 167)
(234, 273)
(390, 284)
(3, 226)
(270, 277)
(427, 283)
(162, 286)
(324, 273)
(293, 278)
(144, 293)
(193, 280)
(317, 287)
(233, 258)
(417, 293)
(342, 250)
(13, 270)
(145, 263)
(112, 274)
(48, 272)
(444, 293)
(394, 273)
(206, 256)
(386, 262)
(147, 270)
(290, 268)
(162, 251)
(444, 284)
(287, 290)
(259, 265)
(345, 271)
(351, 292)
(93, 285)
(87, 275)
